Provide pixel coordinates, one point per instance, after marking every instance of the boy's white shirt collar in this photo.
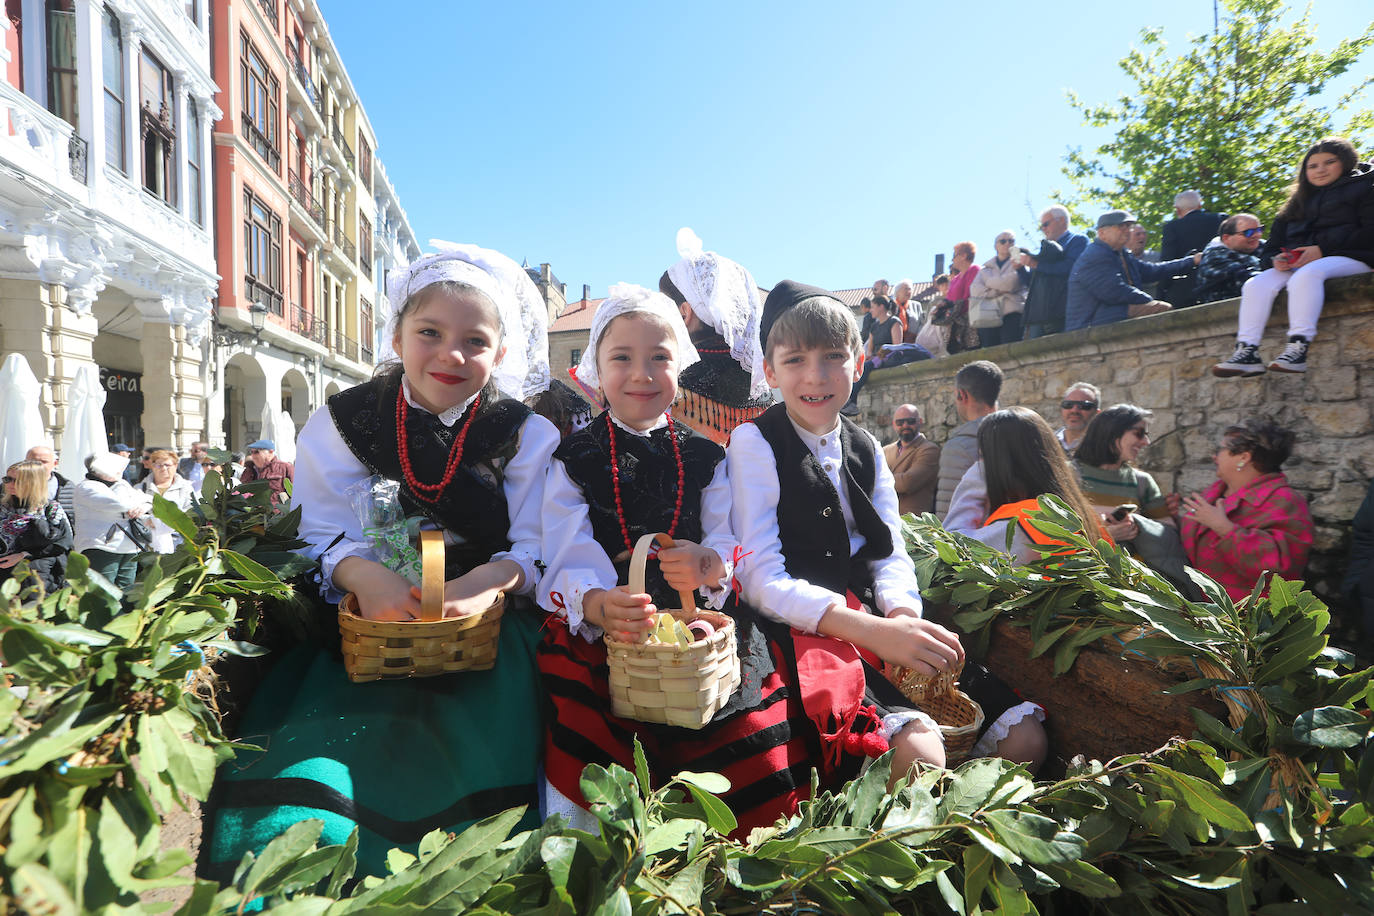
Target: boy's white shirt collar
(661, 422)
(448, 417)
(813, 440)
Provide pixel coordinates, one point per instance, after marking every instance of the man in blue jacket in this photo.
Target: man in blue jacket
(1050, 269)
(1105, 284)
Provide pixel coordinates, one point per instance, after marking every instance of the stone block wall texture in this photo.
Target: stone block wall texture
(1163, 363)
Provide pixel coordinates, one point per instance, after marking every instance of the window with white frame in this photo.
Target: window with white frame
(112, 67)
(195, 152)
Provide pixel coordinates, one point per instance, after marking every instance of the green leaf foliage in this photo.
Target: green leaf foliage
(111, 731)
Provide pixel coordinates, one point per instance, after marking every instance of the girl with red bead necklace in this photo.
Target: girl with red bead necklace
(443, 425)
(634, 470)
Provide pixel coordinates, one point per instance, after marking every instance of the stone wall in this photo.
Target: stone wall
(1163, 363)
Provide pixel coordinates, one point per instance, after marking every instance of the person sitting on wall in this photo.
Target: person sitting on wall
(1104, 287)
(1230, 260)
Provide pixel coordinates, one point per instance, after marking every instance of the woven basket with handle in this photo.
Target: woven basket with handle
(939, 697)
(432, 645)
(672, 685)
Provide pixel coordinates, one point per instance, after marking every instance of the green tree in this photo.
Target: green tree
(1231, 116)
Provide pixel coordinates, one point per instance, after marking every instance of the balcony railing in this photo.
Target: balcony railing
(258, 140)
(309, 325)
(293, 57)
(367, 354)
(270, 8)
(345, 345)
(349, 250)
(76, 157)
(301, 192)
(255, 290)
(343, 145)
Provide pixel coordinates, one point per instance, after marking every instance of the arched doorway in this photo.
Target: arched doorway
(245, 391)
(295, 397)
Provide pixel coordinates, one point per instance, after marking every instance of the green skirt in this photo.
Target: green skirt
(394, 759)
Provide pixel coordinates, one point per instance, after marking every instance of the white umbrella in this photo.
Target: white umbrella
(286, 436)
(279, 427)
(21, 425)
(268, 428)
(84, 433)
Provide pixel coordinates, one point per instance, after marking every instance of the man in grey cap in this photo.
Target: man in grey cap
(1105, 284)
(263, 464)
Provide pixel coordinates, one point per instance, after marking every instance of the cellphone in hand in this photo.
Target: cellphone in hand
(1120, 512)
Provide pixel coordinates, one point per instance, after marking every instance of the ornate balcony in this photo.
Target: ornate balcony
(350, 251)
(258, 140)
(301, 191)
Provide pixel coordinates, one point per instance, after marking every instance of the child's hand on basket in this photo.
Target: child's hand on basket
(478, 589)
(687, 566)
(618, 611)
(382, 594)
(922, 645)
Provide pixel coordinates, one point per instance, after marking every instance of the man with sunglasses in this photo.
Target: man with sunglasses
(914, 461)
(1230, 260)
(1081, 402)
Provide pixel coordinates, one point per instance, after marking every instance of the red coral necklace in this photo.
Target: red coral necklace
(615, 481)
(430, 492)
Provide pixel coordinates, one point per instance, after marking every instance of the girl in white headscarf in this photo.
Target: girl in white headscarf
(443, 427)
(635, 470)
(719, 302)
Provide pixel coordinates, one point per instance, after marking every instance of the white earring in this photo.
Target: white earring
(1240, 465)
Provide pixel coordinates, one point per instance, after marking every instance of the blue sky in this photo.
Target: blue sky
(829, 143)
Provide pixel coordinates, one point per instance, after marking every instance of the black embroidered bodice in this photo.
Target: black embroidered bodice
(648, 489)
(473, 507)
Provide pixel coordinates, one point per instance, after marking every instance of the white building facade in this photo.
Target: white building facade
(106, 207)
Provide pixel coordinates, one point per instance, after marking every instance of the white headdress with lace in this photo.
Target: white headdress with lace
(724, 295)
(524, 371)
(627, 297)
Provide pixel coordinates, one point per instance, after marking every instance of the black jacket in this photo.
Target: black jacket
(1339, 219)
(1049, 283)
(1188, 233)
(1358, 586)
(47, 539)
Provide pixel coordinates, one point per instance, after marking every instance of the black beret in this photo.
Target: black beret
(781, 298)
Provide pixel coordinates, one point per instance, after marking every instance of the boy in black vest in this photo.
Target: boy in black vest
(814, 501)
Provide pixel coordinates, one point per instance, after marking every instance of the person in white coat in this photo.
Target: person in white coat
(105, 503)
(1003, 281)
(165, 481)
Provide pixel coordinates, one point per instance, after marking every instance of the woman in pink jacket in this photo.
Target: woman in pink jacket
(1250, 522)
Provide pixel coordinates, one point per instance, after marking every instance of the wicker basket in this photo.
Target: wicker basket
(938, 696)
(432, 645)
(671, 685)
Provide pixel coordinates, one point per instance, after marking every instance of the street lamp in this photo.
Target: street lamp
(257, 315)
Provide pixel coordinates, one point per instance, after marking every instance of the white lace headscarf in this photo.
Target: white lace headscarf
(524, 370)
(724, 295)
(627, 297)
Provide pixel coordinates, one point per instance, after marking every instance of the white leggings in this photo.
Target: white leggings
(1306, 294)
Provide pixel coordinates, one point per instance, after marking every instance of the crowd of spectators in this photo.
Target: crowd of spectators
(996, 465)
(107, 516)
(1326, 229)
